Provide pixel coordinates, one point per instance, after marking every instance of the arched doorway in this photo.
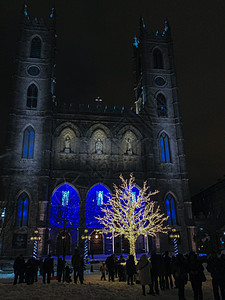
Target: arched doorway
(63, 244)
(64, 219)
(96, 243)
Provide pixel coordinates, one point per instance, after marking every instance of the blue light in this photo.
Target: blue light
(65, 207)
(168, 212)
(25, 212)
(136, 42)
(157, 32)
(162, 150)
(52, 13)
(171, 210)
(65, 197)
(167, 149)
(97, 195)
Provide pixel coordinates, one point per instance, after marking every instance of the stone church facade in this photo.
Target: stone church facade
(60, 151)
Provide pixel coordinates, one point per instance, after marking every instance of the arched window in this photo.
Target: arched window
(161, 106)
(65, 207)
(158, 59)
(96, 197)
(32, 93)
(22, 210)
(28, 143)
(35, 50)
(171, 210)
(165, 148)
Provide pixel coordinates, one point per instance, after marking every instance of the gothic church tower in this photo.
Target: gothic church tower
(26, 170)
(156, 95)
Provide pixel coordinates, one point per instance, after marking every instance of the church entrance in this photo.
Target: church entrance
(63, 244)
(96, 243)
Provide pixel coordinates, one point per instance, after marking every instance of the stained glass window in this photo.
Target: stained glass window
(96, 197)
(35, 50)
(65, 207)
(171, 210)
(28, 143)
(165, 148)
(22, 210)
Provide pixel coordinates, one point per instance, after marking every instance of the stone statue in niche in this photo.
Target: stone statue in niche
(67, 148)
(129, 146)
(99, 146)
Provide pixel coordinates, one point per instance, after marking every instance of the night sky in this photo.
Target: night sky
(94, 58)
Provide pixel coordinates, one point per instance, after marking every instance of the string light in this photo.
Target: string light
(132, 216)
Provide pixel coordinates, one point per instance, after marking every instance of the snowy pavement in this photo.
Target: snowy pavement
(93, 288)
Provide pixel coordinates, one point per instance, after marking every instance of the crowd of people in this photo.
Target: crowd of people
(158, 272)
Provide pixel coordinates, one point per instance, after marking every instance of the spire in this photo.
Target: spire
(166, 28)
(142, 23)
(52, 14)
(25, 10)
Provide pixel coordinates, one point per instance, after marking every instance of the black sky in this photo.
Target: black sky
(94, 58)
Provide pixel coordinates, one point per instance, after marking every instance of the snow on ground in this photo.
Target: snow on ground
(93, 288)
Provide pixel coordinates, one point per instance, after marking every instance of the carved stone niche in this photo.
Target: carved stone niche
(129, 144)
(66, 141)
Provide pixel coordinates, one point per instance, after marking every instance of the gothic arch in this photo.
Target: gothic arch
(130, 137)
(164, 147)
(93, 128)
(158, 62)
(170, 201)
(28, 142)
(99, 141)
(22, 209)
(66, 138)
(35, 48)
(64, 125)
(95, 198)
(32, 95)
(161, 104)
(65, 202)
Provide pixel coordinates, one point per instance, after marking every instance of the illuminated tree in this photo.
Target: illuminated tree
(131, 215)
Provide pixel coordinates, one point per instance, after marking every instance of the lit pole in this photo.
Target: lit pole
(35, 238)
(86, 237)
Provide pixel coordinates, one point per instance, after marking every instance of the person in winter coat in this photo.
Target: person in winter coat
(121, 268)
(180, 275)
(19, 268)
(131, 269)
(48, 266)
(216, 266)
(60, 268)
(156, 262)
(30, 270)
(110, 264)
(168, 277)
(144, 267)
(103, 270)
(78, 266)
(196, 275)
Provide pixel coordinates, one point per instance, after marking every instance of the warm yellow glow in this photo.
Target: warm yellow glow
(132, 217)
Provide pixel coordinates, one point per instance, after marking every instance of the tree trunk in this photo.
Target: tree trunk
(132, 249)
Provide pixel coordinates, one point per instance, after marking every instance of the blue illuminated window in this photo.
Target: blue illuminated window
(171, 210)
(165, 148)
(35, 50)
(32, 94)
(64, 207)
(96, 197)
(134, 194)
(99, 197)
(161, 106)
(22, 210)
(158, 59)
(28, 143)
